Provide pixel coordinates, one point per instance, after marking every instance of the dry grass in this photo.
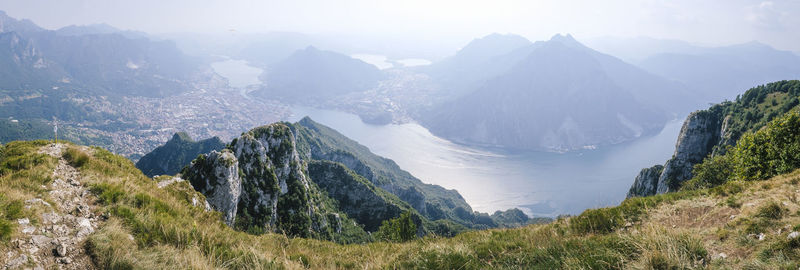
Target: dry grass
(152, 228)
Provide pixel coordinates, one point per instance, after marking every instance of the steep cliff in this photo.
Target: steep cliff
(699, 134)
(646, 182)
(216, 175)
(318, 142)
(709, 132)
(276, 194)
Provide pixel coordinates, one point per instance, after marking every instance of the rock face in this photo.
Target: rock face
(216, 175)
(262, 179)
(700, 133)
(709, 132)
(318, 142)
(646, 182)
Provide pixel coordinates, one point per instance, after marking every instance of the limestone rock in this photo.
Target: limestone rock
(646, 182)
(701, 131)
(216, 175)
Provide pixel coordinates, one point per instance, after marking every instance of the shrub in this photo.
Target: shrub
(713, 171)
(602, 220)
(732, 202)
(13, 210)
(398, 229)
(771, 210)
(770, 151)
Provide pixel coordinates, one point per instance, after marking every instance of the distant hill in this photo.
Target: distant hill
(9, 24)
(724, 72)
(478, 61)
(313, 74)
(178, 152)
(98, 63)
(559, 95)
(717, 72)
(98, 29)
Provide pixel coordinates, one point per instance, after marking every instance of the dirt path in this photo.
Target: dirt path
(57, 239)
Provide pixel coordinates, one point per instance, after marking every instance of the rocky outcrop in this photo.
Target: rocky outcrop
(216, 175)
(357, 196)
(318, 142)
(699, 134)
(701, 131)
(262, 179)
(646, 182)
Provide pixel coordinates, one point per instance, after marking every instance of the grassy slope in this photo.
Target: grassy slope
(150, 227)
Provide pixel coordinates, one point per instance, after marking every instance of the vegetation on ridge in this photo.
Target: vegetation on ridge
(150, 227)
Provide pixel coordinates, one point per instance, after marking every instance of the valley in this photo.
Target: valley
(316, 135)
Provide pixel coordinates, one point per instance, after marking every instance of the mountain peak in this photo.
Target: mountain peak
(565, 39)
(496, 41)
(182, 136)
(560, 37)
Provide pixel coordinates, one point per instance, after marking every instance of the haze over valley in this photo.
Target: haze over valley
(401, 121)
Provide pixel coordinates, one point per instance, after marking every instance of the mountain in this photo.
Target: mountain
(636, 49)
(179, 151)
(105, 64)
(708, 133)
(478, 61)
(86, 208)
(367, 187)
(260, 184)
(725, 71)
(312, 74)
(319, 142)
(271, 48)
(9, 24)
(560, 95)
(98, 29)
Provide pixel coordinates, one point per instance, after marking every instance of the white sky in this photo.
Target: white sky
(711, 22)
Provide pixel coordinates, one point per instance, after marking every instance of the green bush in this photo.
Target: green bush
(770, 151)
(399, 229)
(771, 210)
(6, 229)
(713, 171)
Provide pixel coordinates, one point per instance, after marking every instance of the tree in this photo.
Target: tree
(399, 229)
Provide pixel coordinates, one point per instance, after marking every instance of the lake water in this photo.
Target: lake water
(238, 72)
(379, 61)
(539, 183)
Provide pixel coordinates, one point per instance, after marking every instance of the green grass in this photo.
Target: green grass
(75, 157)
(152, 228)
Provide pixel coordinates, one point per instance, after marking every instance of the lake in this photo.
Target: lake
(539, 183)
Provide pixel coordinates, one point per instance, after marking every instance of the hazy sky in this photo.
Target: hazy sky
(713, 22)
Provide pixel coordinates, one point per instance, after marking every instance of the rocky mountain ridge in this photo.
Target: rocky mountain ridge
(706, 133)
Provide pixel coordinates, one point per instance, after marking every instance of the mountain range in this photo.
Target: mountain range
(97, 61)
(720, 72)
(519, 102)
